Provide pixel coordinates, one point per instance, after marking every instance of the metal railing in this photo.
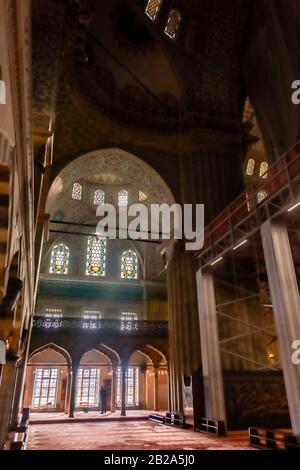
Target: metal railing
(272, 194)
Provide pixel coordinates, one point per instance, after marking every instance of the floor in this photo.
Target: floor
(127, 435)
(60, 417)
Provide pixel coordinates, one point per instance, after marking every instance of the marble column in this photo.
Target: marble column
(68, 391)
(286, 305)
(124, 368)
(156, 377)
(114, 388)
(19, 383)
(184, 335)
(6, 396)
(75, 367)
(211, 358)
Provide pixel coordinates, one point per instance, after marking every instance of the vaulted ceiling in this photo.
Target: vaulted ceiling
(106, 76)
(93, 56)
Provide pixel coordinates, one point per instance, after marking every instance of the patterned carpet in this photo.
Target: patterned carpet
(131, 435)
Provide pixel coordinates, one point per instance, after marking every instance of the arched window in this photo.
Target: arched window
(99, 197)
(77, 192)
(129, 265)
(250, 167)
(123, 198)
(132, 392)
(173, 24)
(263, 169)
(261, 196)
(142, 196)
(152, 8)
(96, 256)
(59, 262)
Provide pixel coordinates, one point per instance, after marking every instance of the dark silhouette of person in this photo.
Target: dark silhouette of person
(103, 400)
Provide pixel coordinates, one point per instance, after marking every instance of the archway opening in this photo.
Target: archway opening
(95, 371)
(47, 380)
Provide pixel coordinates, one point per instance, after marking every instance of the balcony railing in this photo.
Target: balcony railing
(266, 199)
(113, 326)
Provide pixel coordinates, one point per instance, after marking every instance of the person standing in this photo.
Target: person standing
(103, 400)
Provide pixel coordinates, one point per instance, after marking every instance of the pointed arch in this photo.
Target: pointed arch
(55, 348)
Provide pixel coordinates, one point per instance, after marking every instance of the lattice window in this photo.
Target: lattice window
(96, 256)
(132, 387)
(173, 24)
(250, 167)
(263, 170)
(123, 198)
(126, 320)
(87, 392)
(77, 192)
(92, 314)
(99, 197)
(152, 8)
(128, 316)
(142, 196)
(129, 265)
(53, 312)
(59, 261)
(44, 389)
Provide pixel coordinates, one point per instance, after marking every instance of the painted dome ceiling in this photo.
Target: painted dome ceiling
(122, 62)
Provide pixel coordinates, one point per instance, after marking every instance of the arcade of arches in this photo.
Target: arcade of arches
(149, 102)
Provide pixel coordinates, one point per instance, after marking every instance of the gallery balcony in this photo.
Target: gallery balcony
(43, 324)
(77, 335)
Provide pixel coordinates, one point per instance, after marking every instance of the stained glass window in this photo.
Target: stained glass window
(123, 198)
(99, 197)
(53, 312)
(96, 256)
(250, 167)
(152, 8)
(263, 169)
(77, 192)
(142, 196)
(44, 389)
(129, 265)
(87, 393)
(59, 261)
(173, 24)
(261, 196)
